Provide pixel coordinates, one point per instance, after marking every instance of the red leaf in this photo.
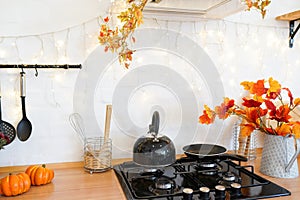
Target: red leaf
(106, 19)
(270, 105)
(133, 39)
(289, 94)
(251, 103)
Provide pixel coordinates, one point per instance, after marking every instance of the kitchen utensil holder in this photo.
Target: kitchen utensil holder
(97, 154)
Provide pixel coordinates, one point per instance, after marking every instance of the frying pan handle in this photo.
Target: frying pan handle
(22, 84)
(235, 157)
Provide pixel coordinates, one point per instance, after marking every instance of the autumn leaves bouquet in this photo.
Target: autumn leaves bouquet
(264, 109)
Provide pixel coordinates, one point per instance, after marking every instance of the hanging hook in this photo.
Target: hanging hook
(36, 72)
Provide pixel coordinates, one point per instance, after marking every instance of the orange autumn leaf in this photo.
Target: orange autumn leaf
(208, 116)
(247, 129)
(296, 130)
(258, 98)
(239, 112)
(266, 3)
(249, 3)
(258, 88)
(139, 17)
(283, 130)
(274, 86)
(297, 101)
(247, 85)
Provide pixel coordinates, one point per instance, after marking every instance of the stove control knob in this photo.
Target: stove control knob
(235, 190)
(204, 193)
(220, 192)
(187, 194)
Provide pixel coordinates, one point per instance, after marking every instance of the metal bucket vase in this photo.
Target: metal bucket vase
(279, 157)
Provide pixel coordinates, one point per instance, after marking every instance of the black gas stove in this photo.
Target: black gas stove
(195, 179)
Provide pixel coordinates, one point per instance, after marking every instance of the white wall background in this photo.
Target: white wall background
(240, 47)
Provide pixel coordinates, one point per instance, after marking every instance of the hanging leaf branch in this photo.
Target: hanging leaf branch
(115, 39)
(258, 5)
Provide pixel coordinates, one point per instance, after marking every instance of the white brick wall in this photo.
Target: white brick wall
(238, 52)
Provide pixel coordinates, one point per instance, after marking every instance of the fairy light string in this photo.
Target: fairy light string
(55, 46)
(52, 46)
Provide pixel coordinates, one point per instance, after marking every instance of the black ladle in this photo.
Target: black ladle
(24, 127)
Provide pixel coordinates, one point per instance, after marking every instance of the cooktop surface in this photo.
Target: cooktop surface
(195, 179)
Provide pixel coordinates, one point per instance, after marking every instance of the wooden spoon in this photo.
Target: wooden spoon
(107, 122)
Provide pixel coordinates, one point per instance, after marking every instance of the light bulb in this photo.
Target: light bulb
(2, 53)
(57, 78)
(59, 43)
(139, 59)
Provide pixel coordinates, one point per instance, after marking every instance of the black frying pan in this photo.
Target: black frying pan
(210, 152)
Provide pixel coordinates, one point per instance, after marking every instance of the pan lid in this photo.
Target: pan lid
(204, 149)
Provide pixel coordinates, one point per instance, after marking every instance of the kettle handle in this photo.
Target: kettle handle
(154, 126)
(297, 146)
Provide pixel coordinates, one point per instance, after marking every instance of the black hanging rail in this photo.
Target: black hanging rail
(37, 66)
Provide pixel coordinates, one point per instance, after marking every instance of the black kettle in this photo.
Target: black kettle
(153, 149)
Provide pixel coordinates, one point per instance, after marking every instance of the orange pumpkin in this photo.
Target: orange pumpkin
(15, 184)
(39, 175)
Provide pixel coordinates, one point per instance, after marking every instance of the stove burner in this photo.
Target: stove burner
(152, 172)
(208, 165)
(228, 176)
(207, 168)
(209, 173)
(164, 183)
(163, 186)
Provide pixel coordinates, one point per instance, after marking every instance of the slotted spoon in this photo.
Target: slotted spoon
(6, 128)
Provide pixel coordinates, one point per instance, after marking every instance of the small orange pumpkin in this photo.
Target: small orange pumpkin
(15, 184)
(39, 175)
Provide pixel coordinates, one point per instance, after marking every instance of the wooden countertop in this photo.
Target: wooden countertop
(72, 182)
